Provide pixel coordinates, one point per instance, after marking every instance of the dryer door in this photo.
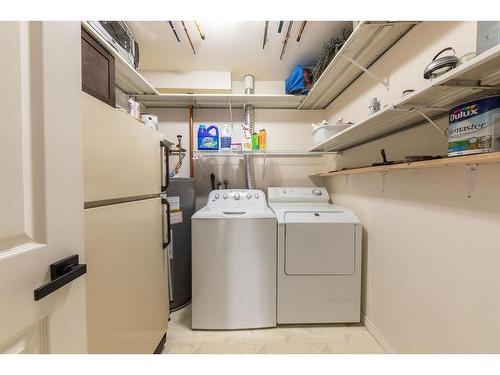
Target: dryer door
(319, 243)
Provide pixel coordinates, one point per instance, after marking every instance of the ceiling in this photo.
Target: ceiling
(232, 46)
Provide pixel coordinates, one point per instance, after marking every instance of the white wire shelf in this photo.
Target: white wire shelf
(127, 78)
(259, 153)
(220, 101)
(367, 43)
(477, 78)
(264, 154)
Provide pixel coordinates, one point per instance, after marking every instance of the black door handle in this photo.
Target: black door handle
(165, 148)
(61, 273)
(169, 226)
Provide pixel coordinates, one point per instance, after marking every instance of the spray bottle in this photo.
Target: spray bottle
(225, 139)
(246, 141)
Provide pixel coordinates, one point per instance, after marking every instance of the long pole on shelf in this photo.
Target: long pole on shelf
(302, 27)
(266, 27)
(200, 31)
(280, 27)
(191, 143)
(188, 37)
(285, 42)
(173, 30)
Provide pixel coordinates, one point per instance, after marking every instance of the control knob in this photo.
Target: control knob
(317, 192)
(236, 196)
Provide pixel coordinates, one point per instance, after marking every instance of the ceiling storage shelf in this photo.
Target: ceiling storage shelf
(127, 78)
(220, 101)
(367, 43)
(479, 77)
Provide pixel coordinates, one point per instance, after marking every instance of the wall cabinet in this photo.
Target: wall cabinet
(98, 70)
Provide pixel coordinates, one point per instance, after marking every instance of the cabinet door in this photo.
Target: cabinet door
(98, 70)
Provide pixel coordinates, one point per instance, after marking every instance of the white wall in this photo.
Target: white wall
(286, 130)
(430, 280)
(196, 81)
(431, 255)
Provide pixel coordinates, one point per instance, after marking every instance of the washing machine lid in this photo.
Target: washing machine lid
(234, 212)
(319, 243)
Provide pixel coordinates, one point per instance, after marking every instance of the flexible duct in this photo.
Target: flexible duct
(249, 124)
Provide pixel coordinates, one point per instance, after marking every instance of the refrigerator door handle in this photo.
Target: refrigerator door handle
(166, 244)
(169, 226)
(165, 164)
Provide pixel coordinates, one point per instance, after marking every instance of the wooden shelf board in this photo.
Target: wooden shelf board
(486, 158)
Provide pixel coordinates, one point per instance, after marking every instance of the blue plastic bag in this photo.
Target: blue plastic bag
(295, 83)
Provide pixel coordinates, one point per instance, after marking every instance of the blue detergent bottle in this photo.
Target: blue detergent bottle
(208, 138)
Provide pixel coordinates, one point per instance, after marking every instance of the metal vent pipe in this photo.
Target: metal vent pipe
(249, 124)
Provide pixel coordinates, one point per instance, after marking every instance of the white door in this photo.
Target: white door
(41, 188)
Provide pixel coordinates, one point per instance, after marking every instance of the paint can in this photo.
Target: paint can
(474, 127)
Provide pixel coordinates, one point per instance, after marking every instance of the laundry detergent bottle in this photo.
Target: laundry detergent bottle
(208, 138)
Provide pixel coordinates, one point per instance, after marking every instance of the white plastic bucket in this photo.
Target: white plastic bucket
(324, 131)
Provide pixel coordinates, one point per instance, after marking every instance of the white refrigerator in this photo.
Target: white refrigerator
(125, 232)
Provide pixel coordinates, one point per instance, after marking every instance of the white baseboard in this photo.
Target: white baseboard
(384, 343)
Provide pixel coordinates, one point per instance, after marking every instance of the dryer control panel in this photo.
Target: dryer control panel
(298, 194)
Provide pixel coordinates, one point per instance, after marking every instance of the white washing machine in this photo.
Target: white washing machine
(234, 262)
(319, 257)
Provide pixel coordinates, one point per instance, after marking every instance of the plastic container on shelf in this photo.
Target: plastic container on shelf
(322, 131)
(208, 138)
(225, 139)
(255, 141)
(262, 139)
(474, 127)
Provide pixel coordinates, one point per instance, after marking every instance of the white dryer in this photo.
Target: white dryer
(234, 262)
(319, 257)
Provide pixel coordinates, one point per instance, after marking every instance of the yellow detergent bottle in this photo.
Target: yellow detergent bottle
(262, 139)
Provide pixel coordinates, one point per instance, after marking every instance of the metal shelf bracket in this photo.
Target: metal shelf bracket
(197, 156)
(429, 120)
(384, 174)
(264, 166)
(361, 67)
(470, 178)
